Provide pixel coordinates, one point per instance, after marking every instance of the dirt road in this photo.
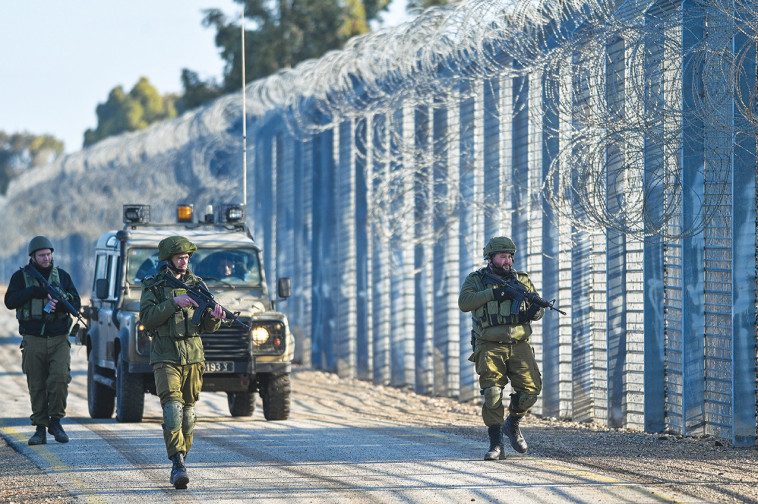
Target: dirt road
(350, 441)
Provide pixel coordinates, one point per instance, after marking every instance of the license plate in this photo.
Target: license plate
(219, 367)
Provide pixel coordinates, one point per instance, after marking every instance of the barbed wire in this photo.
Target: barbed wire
(635, 87)
(645, 106)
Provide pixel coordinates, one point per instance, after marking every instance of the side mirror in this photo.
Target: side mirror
(284, 287)
(101, 288)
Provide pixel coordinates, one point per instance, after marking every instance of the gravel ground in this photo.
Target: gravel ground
(706, 468)
(23, 482)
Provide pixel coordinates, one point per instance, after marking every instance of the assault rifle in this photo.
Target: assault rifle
(517, 292)
(204, 299)
(56, 294)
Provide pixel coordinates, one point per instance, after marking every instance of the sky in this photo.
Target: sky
(60, 59)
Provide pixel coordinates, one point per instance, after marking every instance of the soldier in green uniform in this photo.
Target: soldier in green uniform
(176, 351)
(500, 339)
(44, 325)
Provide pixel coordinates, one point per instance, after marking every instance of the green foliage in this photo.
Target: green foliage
(23, 151)
(278, 34)
(196, 91)
(425, 4)
(123, 112)
(375, 7)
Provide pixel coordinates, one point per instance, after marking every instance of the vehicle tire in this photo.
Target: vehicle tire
(241, 403)
(100, 398)
(275, 395)
(130, 394)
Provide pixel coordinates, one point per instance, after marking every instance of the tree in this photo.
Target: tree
(425, 4)
(196, 91)
(23, 151)
(123, 112)
(282, 34)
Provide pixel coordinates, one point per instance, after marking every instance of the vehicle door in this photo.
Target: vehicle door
(105, 291)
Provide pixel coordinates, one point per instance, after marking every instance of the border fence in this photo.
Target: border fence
(614, 142)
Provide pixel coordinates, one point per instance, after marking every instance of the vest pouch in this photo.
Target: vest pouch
(177, 324)
(37, 308)
(493, 313)
(34, 309)
(505, 308)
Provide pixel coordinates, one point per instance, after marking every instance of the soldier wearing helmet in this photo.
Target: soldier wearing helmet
(176, 351)
(44, 324)
(500, 340)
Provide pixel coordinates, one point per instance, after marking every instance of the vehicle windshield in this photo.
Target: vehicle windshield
(216, 266)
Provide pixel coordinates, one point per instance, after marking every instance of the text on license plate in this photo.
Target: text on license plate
(219, 367)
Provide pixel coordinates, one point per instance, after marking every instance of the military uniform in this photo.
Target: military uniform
(176, 353)
(45, 347)
(502, 354)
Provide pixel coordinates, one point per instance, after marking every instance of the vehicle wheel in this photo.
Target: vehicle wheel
(130, 394)
(275, 395)
(100, 398)
(241, 403)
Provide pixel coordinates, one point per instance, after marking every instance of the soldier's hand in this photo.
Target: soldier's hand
(529, 314)
(218, 312)
(52, 303)
(500, 293)
(185, 301)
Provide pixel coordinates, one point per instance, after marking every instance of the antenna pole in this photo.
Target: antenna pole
(244, 118)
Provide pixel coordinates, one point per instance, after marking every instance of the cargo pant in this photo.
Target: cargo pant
(46, 362)
(179, 389)
(497, 364)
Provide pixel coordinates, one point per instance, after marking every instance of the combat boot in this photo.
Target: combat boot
(179, 476)
(511, 429)
(39, 437)
(496, 443)
(56, 429)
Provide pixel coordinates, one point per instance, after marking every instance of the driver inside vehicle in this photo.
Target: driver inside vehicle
(225, 267)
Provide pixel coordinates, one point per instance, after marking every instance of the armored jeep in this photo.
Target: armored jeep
(239, 361)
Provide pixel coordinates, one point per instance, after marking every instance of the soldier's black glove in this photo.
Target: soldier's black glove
(500, 293)
(37, 291)
(528, 314)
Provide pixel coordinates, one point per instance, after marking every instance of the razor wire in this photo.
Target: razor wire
(626, 80)
(444, 52)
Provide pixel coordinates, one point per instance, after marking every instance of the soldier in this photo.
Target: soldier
(44, 324)
(500, 340)
(225, 268)
(176, 351)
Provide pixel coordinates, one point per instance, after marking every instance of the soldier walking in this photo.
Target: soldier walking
(44, 324)
(500, 340)
(176, 351)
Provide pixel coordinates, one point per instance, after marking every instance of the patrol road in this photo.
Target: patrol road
(319, 455)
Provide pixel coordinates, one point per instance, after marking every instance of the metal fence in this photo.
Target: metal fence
(615, 142)
(627, 181)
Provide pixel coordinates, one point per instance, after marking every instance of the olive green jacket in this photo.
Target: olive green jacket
(492, 320)
(175, 338)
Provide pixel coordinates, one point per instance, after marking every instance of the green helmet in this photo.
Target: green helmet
(175, 245)
(499, 244)
(39, 243)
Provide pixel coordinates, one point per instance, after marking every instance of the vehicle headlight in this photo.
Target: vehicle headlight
(260, 335)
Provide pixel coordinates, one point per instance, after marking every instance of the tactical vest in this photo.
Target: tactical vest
(34, 309)
(494, 313)
(180, 325)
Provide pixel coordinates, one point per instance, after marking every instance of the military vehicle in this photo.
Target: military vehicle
(239, 361)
